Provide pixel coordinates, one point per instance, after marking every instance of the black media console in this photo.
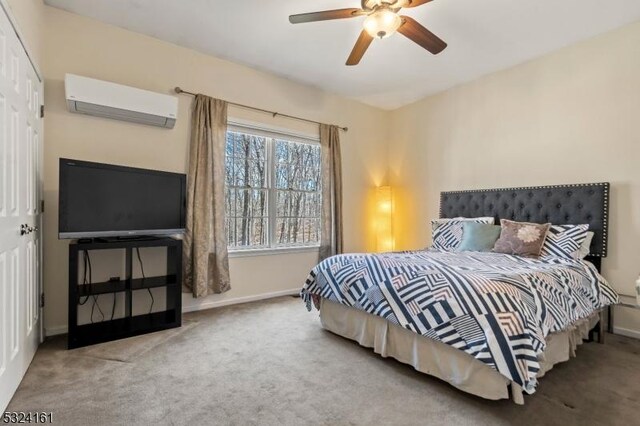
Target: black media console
(129, 324)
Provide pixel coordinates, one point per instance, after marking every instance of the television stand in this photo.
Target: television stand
(128, 325)
(127, 238)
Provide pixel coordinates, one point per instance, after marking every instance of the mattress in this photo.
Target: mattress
(499, 309)
(441, 360)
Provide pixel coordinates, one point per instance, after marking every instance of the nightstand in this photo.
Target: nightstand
(626, 301)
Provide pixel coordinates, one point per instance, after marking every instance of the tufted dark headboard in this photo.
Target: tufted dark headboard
(558, 204)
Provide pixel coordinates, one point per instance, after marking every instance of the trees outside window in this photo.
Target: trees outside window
(273, 196)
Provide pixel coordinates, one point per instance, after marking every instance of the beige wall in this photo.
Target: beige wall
(79, 45)
(572, 116)
(30, 17)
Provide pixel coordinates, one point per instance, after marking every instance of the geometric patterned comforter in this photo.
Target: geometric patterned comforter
(497, 308)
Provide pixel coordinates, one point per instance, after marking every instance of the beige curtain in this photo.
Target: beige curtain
(206, 261)
(331, 239)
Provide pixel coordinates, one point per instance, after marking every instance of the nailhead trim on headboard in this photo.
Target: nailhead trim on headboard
(604, 221)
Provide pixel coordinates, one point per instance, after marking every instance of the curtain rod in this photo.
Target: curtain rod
(179, 91)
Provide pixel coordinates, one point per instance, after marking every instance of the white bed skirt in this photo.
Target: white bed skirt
(440, 360)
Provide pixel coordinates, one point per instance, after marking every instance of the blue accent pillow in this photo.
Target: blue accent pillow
(447, 233)
(479, 236)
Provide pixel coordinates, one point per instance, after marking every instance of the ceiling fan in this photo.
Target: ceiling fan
(382, 21)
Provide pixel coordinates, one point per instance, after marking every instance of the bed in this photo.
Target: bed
(489, 324)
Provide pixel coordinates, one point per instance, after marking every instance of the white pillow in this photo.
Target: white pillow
(564, 241)
(585, 248)
(446, 234)
(437, 222)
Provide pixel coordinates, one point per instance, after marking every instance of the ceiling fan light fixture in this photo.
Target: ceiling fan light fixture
(382, 23)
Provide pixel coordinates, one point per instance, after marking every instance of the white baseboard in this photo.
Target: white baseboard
(626, 332)
(54, 331)
(237, 300)
(196, 306)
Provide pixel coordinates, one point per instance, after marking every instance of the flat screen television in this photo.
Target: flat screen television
(104, 200)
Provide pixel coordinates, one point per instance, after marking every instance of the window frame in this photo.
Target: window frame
(271, 134)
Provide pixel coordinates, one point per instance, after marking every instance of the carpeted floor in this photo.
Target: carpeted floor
(270, 363)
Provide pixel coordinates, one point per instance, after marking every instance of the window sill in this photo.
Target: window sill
(272, 251)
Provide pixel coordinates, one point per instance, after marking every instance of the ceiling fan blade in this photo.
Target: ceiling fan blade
(416, 3)
(360, 48)
(325, 15)
(420, 35)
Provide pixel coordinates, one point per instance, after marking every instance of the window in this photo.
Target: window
(273, 196)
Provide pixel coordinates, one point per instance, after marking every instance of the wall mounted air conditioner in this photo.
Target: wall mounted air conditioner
(105, 99)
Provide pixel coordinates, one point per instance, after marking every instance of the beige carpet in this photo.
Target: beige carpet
(270, 363)
(129, 350)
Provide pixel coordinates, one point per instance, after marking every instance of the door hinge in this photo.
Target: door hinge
(42, 300)
(41, 206)
(41, 111)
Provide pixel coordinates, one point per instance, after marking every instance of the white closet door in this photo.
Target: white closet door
(20, 150)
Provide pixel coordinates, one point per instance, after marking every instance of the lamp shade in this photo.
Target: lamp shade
(384, 219)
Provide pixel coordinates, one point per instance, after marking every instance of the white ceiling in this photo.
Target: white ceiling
(483, 36)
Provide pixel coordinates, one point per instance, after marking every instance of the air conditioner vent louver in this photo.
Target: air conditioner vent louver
(110, 100)
(120, 114)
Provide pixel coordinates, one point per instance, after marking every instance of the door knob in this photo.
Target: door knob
(26, 229)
